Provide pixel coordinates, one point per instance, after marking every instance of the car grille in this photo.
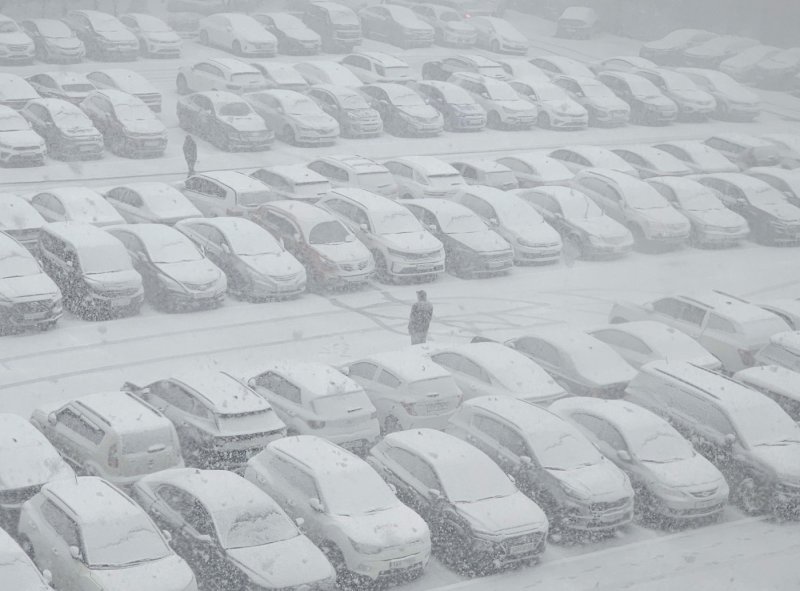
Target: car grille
(610, 506)
(284, 277)
(360, 266)
(704, 494)
(418, 256)
(619, 113)
(35, 307)
(536, 539)
(200, 286)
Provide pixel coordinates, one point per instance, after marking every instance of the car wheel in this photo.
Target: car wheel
(495, 46)
(494, 120)
(237, 48)
(750, 497)
(544, 120)
(381, 268)
(391, 424)
(182, 84)
(204, 37)
(288, 136)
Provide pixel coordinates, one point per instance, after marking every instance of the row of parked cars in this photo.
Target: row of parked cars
(475, 452)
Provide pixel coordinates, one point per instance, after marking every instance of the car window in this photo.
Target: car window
(363, 369)
(503, 434)
(64, 526)
(669, 307)
(479, 206)
(77, 424)
(600, 186)
(472, 369)
(717, 420)
(173, 395)
(174, 498)
(197, 517)
(451, 361)
(388, 379)
(400, 169)
(717, 322)
(294, 477)
(539, 349)
(618, 338)
(693, 314)
(329, 170)
(610, 435)
(280, 224)
(415, 466)
(279, 385)
(590, 423)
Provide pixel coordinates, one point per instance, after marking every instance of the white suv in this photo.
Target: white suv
(227, 74)
(503, 105)
(376, 67)
(351, 170)
(348, 511)
(419, 177)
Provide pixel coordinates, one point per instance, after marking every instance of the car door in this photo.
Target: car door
(197, 536)
(141, 261)
(74, 436)
(293, 488)
(58, 534)
(413, 479)
(283, 396)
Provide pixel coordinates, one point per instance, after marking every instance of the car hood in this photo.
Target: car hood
(306, 35)
(488, 241)
(321, 121)
(17, 139)
(419, 112)
(112, 280)
(163, 37)
(283, 564)
(459, 27)
(145, 126)
(695, 96)
(742, 95)
(516, 105)
(65, 42)
(412, 241)
(196, 272)
(785, 212)
(28, 285)
(344, 252)
(167, 574)
(721, 218)
(24, 470)
(543, 232)
(16, 38)
(397, 526)
(120, 35)
(282, 263)
(598, 482)
(514, 513)
(658, 101)
(689, 473)
(254, 123)
(568, 107)
(78, 131)
(608, 102)
(602, 227)
(784, 459)
(663, 215)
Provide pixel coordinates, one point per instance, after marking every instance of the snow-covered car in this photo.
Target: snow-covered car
(492, 369)
(377, 67)
(67, 131)
(128, 126)
(450, 27)
(65, 529)
(783, 349)
(583, 365)
(295, 118)
(16, 46)
(669, 49)
(338, 25)
(400, 245)
(499, 35)
(478, 519)
(649, 161)
(69, 86)
(621, 63)
(711, 53)
(238, 33)
(533, 239)
(327, 72)
(535, 169)
(551, 461)
(220, 73)
(577, 22)
(713, 224)
(486, 172)
(556, 109)
(293, 35)
(648, 105)
(698, 156)
(580, 157)
(150, 202)
(352, 170)
(731, 329)
(504, 107)
(778, 383)
(672, 481)
(403, 110)
(156, 38)
(788, 309)
(786, 181)
(642, 341)
(103, 35)
(418, 177)
(54, 41)
(75, 204)
(330, 253)
(351, 110)
(232, 533)
(776, 70)
(20, 145)
(603, 106)
(293, 181)
(281, 75)
(175, 273)
(471, 247)
(395, 24)
(788, 145)
(743, 65)
(20, 220)
(747, 436)
(745, 150)
(28, 462)
(461, 112)
(224, 119)
(113, 435)
(693, 103)
(580, 221)
(225, 192)
(221, 423)
(255, 263)
(15, 92)
(473, 63)
(407, 388)
(521, 68)
(347, 510)
(555, 65)
(91, 268)
(734, 101)
(772, 219)
(128, 81)
(28, 297)
(316, 399)
(18, 569)
(635, 204)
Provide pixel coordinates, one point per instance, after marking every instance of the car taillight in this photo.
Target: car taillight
(316, 424)
(747, 357)
(113, 458)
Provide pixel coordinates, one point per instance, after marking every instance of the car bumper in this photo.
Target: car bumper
(253, 144)
(357, 443)
(518, 121)
(22, 56)
(607, 250)
(219, 458)
(305, 47)
(391, 569)
(64, 55)
(720, 237)
(417, 41)
(166, 51)
(459, 40)
(513, 48)
(467, 122)
(403, 268)
(122, 53)
(692, 509)
(524, 254)
(667, 237)
(692, 110)
(314, 138)
(569, 121)
(277, 290)
(111, 303)
(491, 264)
(146, 147)
(357, 129)
(509, 551)
(579, 519)
(192, 300)
(742, 112)
(27, 158)
(341, 278)
(610, 118)
(30, 314)
(78, 149)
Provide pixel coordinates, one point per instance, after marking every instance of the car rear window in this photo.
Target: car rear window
(147, 441)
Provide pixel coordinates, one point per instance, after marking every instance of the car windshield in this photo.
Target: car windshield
(676, 81)
(353, 101)
(501, 91)
(246, 78)
(107, 25)
(455, 95)
(153, 25)
(245, 422)
(13, 121)
(645, 197)
(251, 240)
(473, 478)
(597, 90)
(446, 180)
(178, 250)
(501, 178)
(700, 199)
(407, 99)
(330, 232)
(8, 27)
(113, 542)
(462, 223)
(238, 109)
(358, 491)
(17, 263)
(341, 16)
(134, 112)
(19, 573)
(253, 526)
(108, 258)
(71, 120)
(725, 84)
(550, 92)
(337, 405)
(766, 195)
(766, 424)
(563, 449)
(54, 29)
(396, 222)
(642, 87)
(286, 22)
(302, 106)
(254, 197)
(449, 16)
(660, 445)
(580, 207)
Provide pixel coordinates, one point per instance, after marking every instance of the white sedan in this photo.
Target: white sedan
(76, 204)
(151, 201)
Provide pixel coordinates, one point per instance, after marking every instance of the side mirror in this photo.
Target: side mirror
(433, 228)
(624, 455)
(75, 552)
(300, 522)
(525, 460)
(512, 479)
(316, 505)
(363, 227)
(345, 370)
(730, 439)
(225, 248)
(392, 488)
(485, 95)
(52, 419)
(494, 222)
(47, 576)
(205, 539)
(435, 494)
(167, 536)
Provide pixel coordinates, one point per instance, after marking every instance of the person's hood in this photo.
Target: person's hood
(21, 138)
(419, 112)
(284, 564)
(602, 227)
(167, 574)
(412, 241)
(719, 218)
(122, 36)
(343, 252)
(515, 513)
(249, 123)
(785, 212)
(783, 459)
(282, 263)
(482, 242)
(695, 472)
(195, 272)
(144, 126)
(40, 284)
(162, 36)
(15, 38)
(601, 482)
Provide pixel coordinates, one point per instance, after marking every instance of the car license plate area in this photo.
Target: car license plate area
(401, 563)
(119, 302)
(436, 407)
(522, 548)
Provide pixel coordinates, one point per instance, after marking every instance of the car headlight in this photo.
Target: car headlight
(171, 284)
(528, 243)
(397, 253)
(574, 493)
(365, 548)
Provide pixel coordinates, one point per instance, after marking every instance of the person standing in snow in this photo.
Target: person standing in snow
(420, 319)
(190, 153)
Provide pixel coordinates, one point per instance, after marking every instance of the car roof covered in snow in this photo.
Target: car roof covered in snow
(317, 379)
(560, 193)
(741, 180)
(221, 97)
(81, 234)
(361, 164)
(118, 97)
(529, 418)
(446, 453)
(656, 335)
(319, 455)
(600, 157)
(307, 214)
(155, 237)
(430, 165)
(234, 65)
(739, 310)
(93, 500)
(385, 59)
(223, 392)
(66, 77)
(771, 378)
(483, 164)
(238, 181)
(128, 80)
(627, 416)
(626, 182)
(744, 139)
(16, 87)
(18, 214)
(789, 340)
(297, 173)
(28, 458)
(443, 209)
(367, 199)
(123, 411)
(411, 366)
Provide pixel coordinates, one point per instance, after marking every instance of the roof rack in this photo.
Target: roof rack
(729, 295)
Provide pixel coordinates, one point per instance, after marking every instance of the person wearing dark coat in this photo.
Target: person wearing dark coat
(420, 319)
(190, 153)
